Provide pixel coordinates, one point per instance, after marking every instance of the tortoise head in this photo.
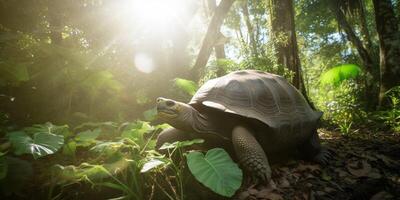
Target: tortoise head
(177, 114)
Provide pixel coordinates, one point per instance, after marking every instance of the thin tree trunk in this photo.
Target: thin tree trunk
(364, 29)
(369, 63)
(219, 48)
(211, 37)
(250, 29)
(389, 46)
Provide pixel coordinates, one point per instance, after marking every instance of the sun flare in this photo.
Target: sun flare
(157, 14)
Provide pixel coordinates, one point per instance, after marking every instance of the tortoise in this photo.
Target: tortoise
(257, 114)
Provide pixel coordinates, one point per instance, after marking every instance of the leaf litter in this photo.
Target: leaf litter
(363, 166)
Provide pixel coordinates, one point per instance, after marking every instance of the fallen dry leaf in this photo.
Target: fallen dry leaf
(283, 182)
(341, 173)
(311, 168)
(270, 196)
(381, 195)
(359, 168)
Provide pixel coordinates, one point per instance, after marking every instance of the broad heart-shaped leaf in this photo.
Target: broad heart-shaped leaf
(41, 145)
(216, 170)
(338, 74)
(48, 128)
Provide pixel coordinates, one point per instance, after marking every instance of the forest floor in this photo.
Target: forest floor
(364, 165)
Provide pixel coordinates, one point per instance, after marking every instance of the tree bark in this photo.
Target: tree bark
(364, 29)
(368, 61)
(219, 48)
(210, 38)
(389, 47)
(284, 39)
(250, 29)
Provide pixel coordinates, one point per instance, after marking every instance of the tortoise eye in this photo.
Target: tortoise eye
(170, 103)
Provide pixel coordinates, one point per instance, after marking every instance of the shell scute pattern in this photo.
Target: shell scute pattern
(266, 97)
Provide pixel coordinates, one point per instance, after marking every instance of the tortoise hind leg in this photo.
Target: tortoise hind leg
(314, 151)
(251, 155)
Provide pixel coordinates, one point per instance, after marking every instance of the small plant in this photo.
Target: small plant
(345, 127)
(391, 116)
(215, 169)
(112, 163)
(340, 106)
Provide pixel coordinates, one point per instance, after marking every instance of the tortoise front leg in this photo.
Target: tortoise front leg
(251, 155)
(312, 150)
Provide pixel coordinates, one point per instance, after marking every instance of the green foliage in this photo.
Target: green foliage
(41, 144)
(153, 163)
(391, 116)
(340, 105)
(187, 86)
(13, 73)
(136, 131)
(338, 74)
(180, 144)
(86, 138)
(126, 163)
(216, 170)
(83, 172)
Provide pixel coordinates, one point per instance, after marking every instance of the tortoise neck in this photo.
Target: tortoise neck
(201, 123)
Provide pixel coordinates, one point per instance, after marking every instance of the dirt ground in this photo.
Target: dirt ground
(364, 165)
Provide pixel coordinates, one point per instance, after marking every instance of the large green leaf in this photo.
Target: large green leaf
(187, 86)
(40, 145)
(48, 128)
(87, 137)
(216, 170)
(338, 74)
(83, 172)
(135, 131)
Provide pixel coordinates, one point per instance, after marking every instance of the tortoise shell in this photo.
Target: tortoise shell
(266, 97)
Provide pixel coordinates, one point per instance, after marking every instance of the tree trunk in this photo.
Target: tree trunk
(219, 48)
(284, 39)
(211, 37)
(368, 61)
(250, 29)
(389, 46)
(364, 29)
